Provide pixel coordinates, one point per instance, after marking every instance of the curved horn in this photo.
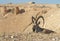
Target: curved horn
(37, 14)
(27, 26)
(39, 18)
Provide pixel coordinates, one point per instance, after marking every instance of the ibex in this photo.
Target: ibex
(19, 10)
(7, 11)
(36, 28)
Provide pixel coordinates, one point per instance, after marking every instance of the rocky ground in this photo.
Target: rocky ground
(29, 37)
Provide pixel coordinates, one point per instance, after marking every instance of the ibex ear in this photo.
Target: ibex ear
(33, 19)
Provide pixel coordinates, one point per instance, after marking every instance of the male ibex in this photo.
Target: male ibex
(36, 27)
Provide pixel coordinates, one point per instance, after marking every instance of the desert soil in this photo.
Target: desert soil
(17, 23)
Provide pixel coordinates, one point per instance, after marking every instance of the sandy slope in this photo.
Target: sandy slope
(17, 23)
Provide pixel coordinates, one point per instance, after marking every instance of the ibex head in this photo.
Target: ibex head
(36, 23)
(35, 20)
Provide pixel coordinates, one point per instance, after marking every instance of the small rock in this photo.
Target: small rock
(53, 39)
(12, 36)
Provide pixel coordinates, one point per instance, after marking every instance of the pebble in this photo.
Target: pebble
(12, 37)
(56, 39)
(53, 39)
